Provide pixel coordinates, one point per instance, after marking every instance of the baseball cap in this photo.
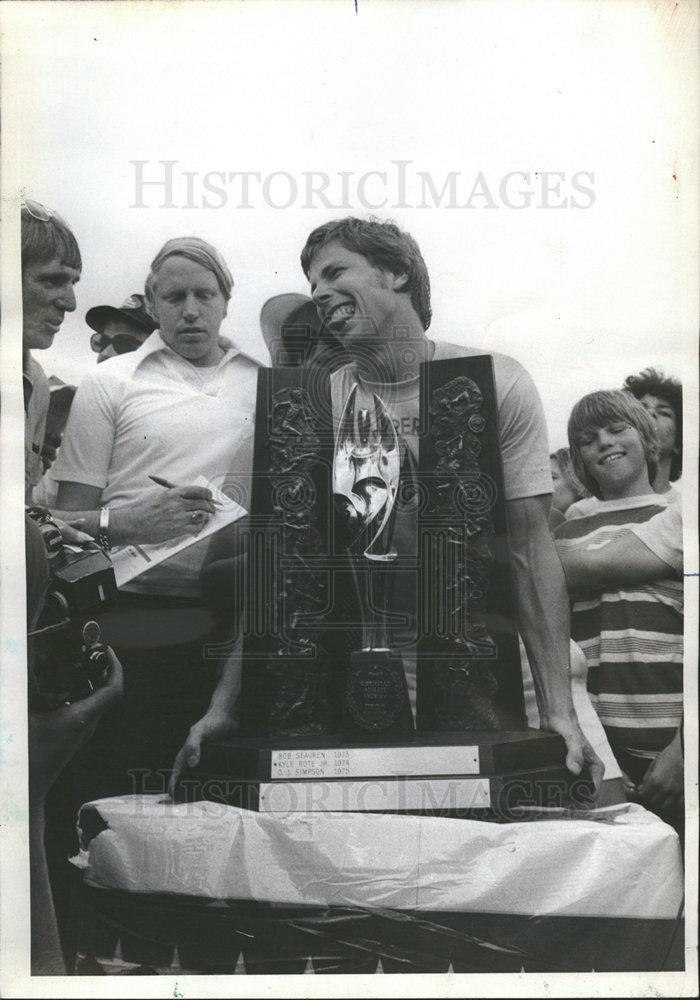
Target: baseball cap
(133, 309)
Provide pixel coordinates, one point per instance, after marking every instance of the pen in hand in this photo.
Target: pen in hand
(162, 482)
(159, 481)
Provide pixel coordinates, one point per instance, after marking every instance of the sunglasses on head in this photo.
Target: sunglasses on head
(122, 343)
(37, 210)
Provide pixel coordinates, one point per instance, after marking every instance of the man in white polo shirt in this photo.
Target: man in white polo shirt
(179, 407)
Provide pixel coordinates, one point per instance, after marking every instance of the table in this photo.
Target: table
(202, 887)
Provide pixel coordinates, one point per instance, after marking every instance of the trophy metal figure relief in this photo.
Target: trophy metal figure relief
(299, 662)
(469, 673)
(458, 689)
(366, 475)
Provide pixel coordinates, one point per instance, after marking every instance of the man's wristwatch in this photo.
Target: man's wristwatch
(103, 537)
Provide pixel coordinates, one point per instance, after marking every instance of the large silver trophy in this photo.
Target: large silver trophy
(309, 711)
(366, 476)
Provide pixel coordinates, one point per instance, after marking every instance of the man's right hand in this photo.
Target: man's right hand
(170, 513)
(163, 514)
(212, 726)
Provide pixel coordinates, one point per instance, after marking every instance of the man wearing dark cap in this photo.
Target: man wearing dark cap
(119, 330)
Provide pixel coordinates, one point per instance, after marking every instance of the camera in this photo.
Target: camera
(62, 678)
(70, 662)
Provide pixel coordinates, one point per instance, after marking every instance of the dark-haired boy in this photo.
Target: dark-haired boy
(662, 398)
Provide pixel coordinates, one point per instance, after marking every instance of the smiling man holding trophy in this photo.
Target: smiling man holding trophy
(403, 500)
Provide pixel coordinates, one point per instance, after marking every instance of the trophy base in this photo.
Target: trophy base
(479, 775)
(376, 697)
(418, 755)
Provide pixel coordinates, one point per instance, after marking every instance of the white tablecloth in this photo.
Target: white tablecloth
(616, 862)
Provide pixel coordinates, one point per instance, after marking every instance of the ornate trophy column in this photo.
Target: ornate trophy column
(293, 664)
(469, 672)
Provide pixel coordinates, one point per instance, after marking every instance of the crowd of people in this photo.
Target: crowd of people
(167, 417)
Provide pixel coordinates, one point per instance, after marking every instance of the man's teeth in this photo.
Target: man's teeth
(342, 312)
(611, 458)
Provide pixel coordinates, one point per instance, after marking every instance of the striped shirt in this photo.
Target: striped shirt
(632, 636)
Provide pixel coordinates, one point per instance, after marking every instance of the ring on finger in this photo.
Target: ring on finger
(196, 516)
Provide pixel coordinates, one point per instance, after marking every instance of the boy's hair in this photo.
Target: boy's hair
(46, 238)
(598, 409)
(385, 246)
(562, 456)
(653, 382)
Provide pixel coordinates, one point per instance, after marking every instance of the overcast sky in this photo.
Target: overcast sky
(495, 94)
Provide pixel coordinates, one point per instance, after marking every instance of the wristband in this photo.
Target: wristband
(103, 537)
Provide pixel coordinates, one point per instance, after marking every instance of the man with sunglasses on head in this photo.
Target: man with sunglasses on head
(119, 330)
(51, 266)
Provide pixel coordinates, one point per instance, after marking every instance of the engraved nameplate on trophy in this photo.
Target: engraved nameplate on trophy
(420, 754)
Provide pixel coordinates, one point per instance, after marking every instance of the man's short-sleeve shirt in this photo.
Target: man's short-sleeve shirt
(522, 425)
